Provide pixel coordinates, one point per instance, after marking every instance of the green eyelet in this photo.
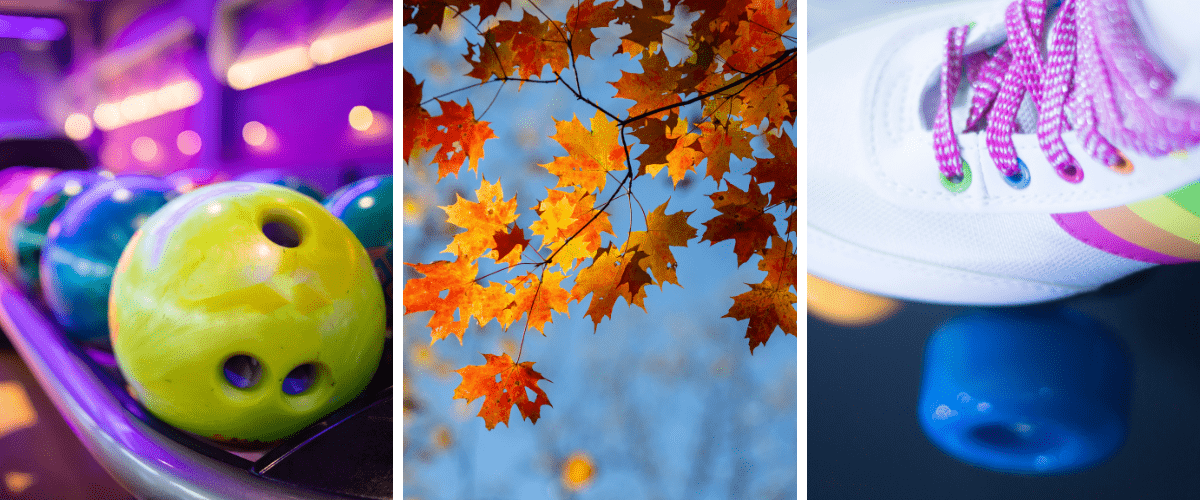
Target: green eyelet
(962, 184)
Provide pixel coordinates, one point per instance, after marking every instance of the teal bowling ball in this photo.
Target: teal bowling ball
(43, 205)
(83, 245)
(366, 208)
(285, 179)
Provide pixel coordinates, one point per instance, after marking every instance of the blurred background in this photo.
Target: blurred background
(865, 364)
(158, 86)
(664, 404)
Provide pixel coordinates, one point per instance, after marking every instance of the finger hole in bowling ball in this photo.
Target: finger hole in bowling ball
(242, 371)
(1011, 438)
(299, 379)
(282, 232)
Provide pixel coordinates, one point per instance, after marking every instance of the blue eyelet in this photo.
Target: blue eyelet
(1019, 180)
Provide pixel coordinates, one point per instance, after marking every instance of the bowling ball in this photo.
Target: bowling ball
(83, 245)
(244, 312)
(43, 205)
(15, 188)
(189, 179)
(285, 179)
(366, 208)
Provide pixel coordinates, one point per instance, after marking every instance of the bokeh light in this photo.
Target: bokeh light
(577, 471)
(255, 134)
(361, 118)
(78, 127)
(843, 306)
(144, 149)
(188, 142)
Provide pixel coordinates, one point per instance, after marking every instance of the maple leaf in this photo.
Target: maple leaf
(779, 262)
(720, 140)
(791, 222)
(651, 89)
(481, 219)
(780, 170)
(460, 136)
(653, 133)
(537, 298)
(662, 232)
(508, 241)
(500, 396)
(758, 38)
(462, 294)
(647, 24)
(742, 219)
(766, 308)
(582, 19)
(532, 45)
(766, 98)
(613, 274)
(591, 154)
(415, 117)
(425, 14)
(683, 157)
(584, 232)
(493, 59)
(555, 218)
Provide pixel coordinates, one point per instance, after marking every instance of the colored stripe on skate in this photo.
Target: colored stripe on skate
(1161, 230)
(1084, 228)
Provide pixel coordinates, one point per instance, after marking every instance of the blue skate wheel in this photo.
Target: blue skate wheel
(1039, 390)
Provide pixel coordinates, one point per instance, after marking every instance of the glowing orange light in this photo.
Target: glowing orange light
(78, 126)
(144, 149)
(18, 409)
(344, 44)
(254, 133)
(847, 307)
(361, 118)
(257, 71)
(577, 471)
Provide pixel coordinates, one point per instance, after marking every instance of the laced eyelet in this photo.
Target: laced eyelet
(959, 184)
(1019, 180)
(1071, 173)
(1123, 166)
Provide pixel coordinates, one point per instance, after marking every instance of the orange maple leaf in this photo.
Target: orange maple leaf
(537, 298)
(742, 219)
(500, 396)
(766, 99)
(582, 19)
(613, 274)
(555, 217)
(415, 117)
(462, 294)
(591, 154)
(684, 156)
(718, 141)
(647, 24)
(779, 262)
(482, 220)
(532, 45)
(662, 232)
(584, 232)
(767, 308)
(651, 89)
(460, 136)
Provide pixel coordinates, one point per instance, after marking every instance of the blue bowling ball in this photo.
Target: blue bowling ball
(285, 179)
(42, 206)
(366, 208)
(1039, 390)
(83, 246)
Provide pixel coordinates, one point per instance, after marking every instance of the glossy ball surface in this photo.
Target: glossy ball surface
(189, 179)
(43, 205)
(243, 312)
(366, 208)
(16, 185)
(285, 179)
(84, 243)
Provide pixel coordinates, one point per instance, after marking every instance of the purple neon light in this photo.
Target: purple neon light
(32, 28)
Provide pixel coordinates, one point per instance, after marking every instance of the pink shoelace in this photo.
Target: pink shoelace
(1095, 67)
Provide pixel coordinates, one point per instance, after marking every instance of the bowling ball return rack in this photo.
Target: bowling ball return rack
(347, 454)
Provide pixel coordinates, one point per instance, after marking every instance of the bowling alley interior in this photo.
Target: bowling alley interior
(196, 249)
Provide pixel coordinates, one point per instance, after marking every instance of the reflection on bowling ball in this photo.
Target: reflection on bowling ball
(285, 179)
(189, 179)
(243, 312)
(43, 205)
(366, 208)
(16, 184)
(84, 243)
